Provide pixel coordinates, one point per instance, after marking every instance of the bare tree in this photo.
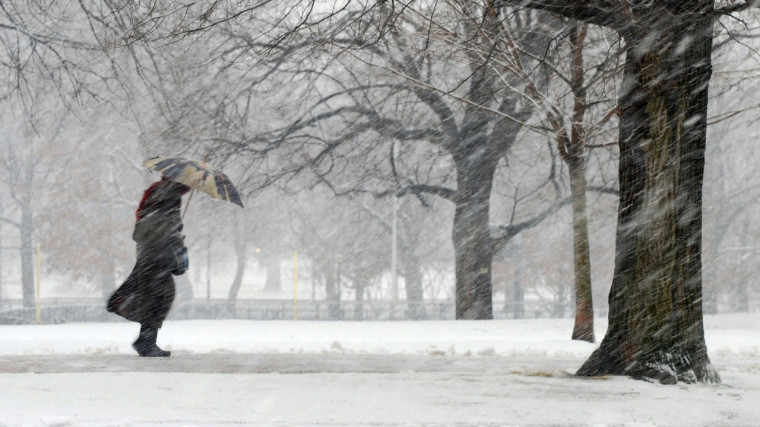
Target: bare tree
(572, 146)
(25, 178)
(471, 132)
(20, 179)
(731, 189)
(53, 64)
(574, 127)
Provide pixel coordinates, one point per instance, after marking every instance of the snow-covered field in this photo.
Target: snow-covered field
(506, 372)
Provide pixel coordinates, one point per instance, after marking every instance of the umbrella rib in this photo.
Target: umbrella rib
(221, 188)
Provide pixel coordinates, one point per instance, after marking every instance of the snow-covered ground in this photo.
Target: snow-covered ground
(506, 372)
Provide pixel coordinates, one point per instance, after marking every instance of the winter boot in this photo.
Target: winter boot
(145, 345)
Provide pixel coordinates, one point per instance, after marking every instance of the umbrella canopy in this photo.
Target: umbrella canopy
(196, 174)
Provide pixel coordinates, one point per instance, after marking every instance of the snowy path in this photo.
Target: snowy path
(273, 363)
(346, 374)
(96, 390)
(356, 389)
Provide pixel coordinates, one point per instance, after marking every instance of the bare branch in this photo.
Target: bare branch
(608, 13)
(504, 233)
(733, 8)
(10, 222)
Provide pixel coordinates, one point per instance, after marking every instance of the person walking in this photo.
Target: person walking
(147, 294)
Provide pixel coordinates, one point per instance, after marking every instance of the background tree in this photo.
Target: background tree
(470, 133)
(23, 176)
(52, 66)
(572, 147)
(570, 121)
(731, 189)
(91, 197)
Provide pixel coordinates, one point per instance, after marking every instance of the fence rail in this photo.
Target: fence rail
(93, 310)
(60, 310)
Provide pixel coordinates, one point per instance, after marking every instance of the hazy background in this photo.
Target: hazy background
(76, 130)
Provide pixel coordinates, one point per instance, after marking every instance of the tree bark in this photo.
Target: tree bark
(473, 246)
(573, 150)
(584, 306)
(655, 319)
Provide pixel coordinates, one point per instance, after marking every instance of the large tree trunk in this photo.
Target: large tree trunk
(584, 306)
(655, 319)
(473, 248)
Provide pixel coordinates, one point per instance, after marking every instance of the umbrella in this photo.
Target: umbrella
(196, 174)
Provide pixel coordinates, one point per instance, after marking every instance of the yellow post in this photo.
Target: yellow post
(37, 284)
(295, 285)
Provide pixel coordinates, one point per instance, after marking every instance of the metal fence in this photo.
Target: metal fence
(313, 310)
(69, 310)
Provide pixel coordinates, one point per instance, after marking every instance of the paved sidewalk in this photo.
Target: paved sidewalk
(284, 363)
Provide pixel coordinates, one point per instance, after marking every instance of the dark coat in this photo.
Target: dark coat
(147, 294)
